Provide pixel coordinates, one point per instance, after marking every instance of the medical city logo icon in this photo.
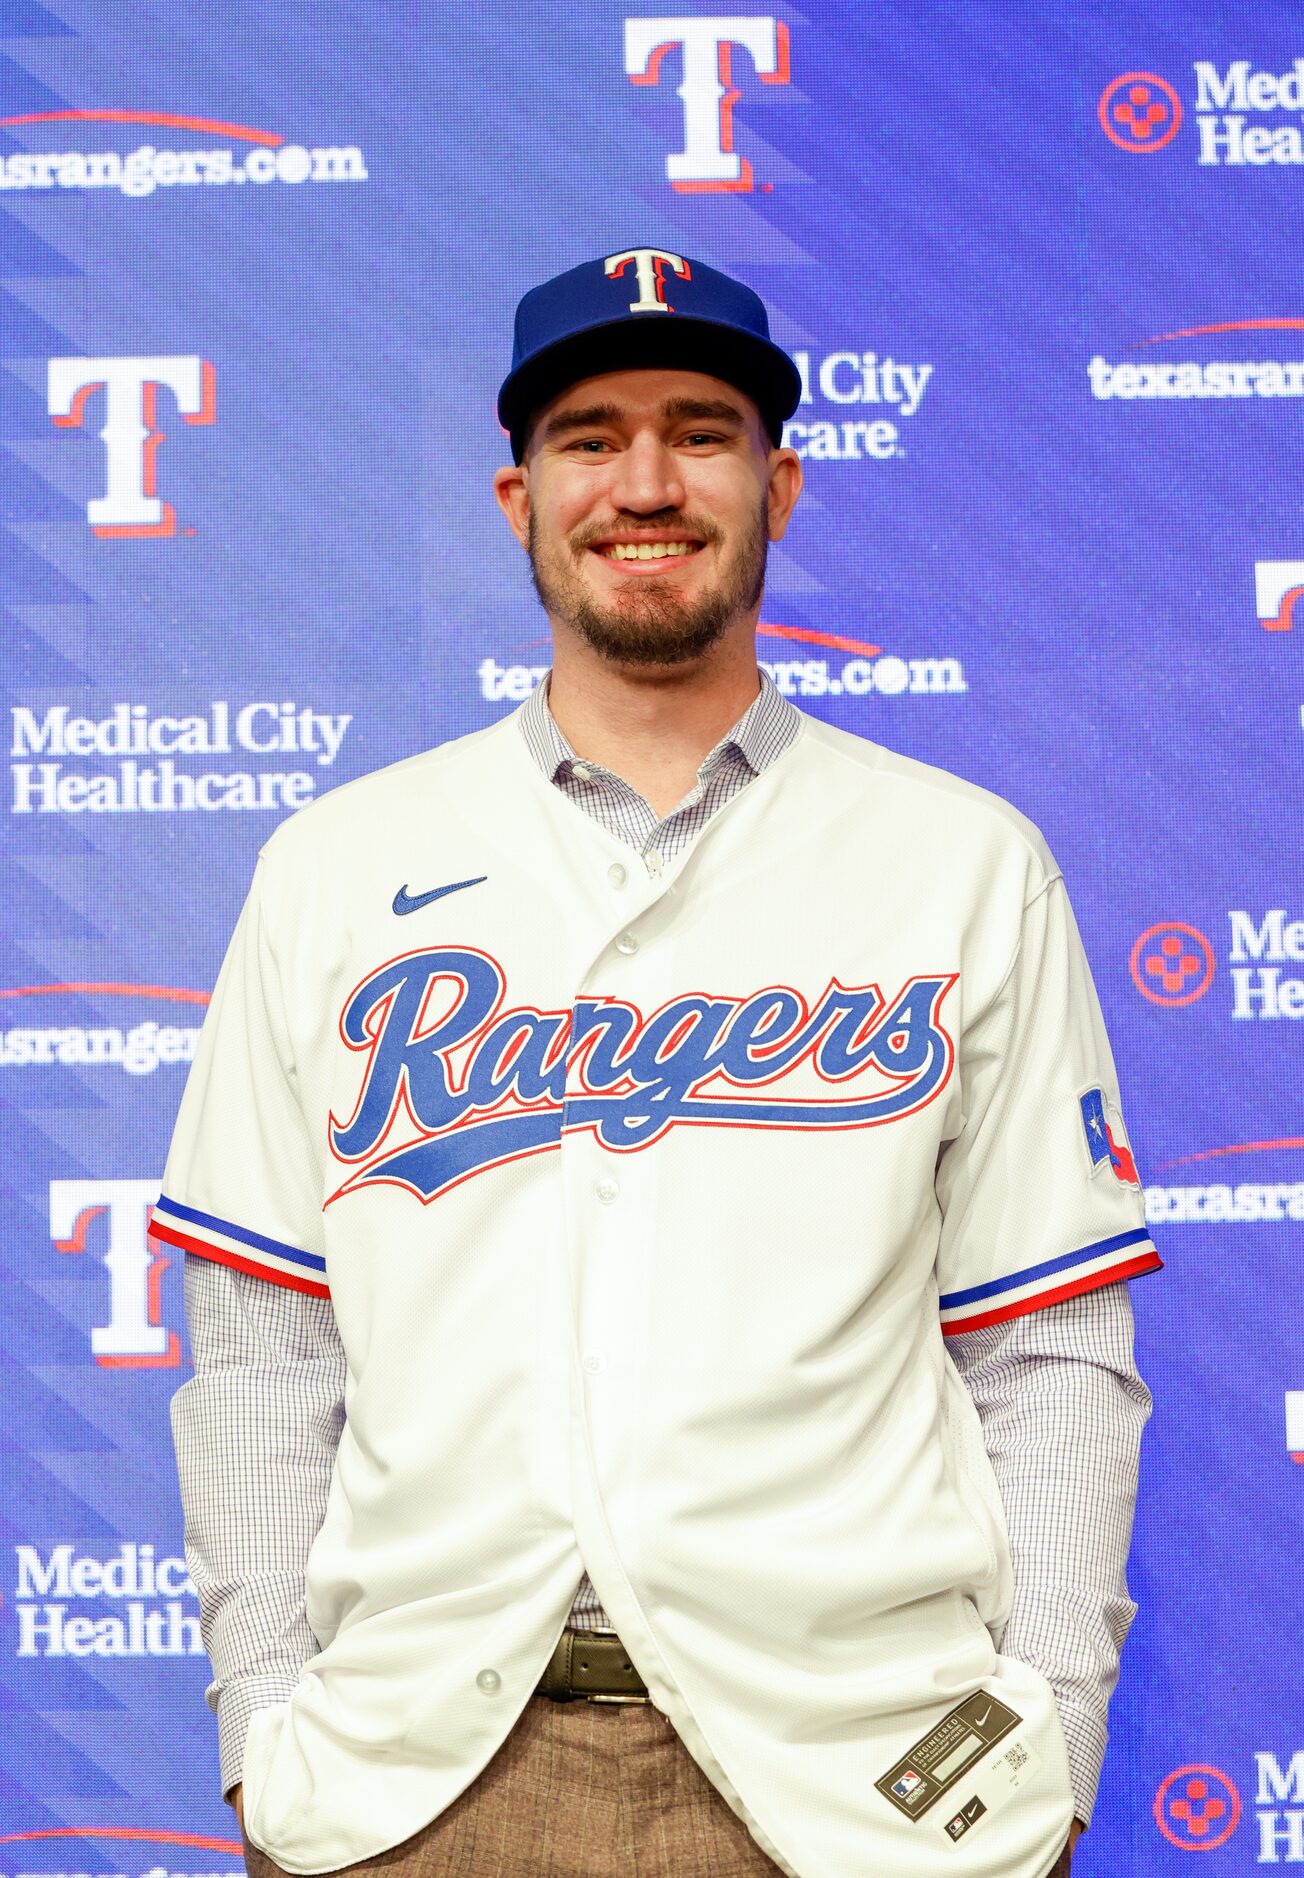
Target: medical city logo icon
(1197, 1808)
(130, 433)
(1172, 963)
(1244, 116)
(1278, 585)
(708, 161)
(1139, 112)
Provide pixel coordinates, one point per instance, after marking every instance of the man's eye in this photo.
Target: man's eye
(702, 436)
(590, 445)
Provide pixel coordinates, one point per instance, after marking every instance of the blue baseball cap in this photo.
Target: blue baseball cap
(643, 307)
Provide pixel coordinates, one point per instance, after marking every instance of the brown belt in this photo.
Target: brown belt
(591, 1664)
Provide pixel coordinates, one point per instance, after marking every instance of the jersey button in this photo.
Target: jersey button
(490, 1681)
(608, 1191)
(652, 861)
(595, 1363)
(627, 943)
(616, 874)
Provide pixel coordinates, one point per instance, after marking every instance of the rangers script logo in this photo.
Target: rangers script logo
(453, 1083)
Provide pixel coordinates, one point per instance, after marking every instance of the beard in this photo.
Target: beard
(644, 625)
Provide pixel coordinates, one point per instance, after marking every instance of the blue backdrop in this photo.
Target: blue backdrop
(1040, 266)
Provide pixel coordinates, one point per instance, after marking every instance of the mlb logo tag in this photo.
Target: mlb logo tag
(1103, 1145)
(908, 1786)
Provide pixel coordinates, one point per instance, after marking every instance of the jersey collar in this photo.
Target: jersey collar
(764, 731)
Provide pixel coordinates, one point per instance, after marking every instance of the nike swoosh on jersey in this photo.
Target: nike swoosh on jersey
(413, 903)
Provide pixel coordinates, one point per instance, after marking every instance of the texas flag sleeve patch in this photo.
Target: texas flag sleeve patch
(1104, 1145)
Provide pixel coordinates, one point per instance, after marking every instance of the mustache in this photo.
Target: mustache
(699, 526)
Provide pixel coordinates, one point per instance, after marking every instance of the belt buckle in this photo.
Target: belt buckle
(606, 1630)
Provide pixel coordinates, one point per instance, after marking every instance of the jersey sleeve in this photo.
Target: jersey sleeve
(1039, 1192)
(240, 1185)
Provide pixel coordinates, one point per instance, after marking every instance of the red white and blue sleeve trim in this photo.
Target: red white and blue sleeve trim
(1126, 1255)
(221, 1239)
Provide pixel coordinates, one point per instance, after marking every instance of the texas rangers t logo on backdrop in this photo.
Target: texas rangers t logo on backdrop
(1278, 589)
(649, 271)
(708, 160)
(442, 1099)
(130, 504)
(1295, 1424)
(135, 1336)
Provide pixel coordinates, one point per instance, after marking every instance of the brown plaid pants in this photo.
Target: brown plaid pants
(580, 1790)
(577, 1790)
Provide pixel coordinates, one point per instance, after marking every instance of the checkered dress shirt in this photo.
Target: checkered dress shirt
(256, 1428)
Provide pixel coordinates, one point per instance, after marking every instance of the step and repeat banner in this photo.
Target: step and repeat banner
(1041, 272)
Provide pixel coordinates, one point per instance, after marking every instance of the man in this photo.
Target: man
(599, 1124)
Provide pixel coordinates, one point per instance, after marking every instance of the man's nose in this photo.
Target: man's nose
(647, 477)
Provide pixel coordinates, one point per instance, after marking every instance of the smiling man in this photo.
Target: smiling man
(656, 1211)
(639, 591)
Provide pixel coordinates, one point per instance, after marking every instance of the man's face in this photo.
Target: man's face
(646, 501)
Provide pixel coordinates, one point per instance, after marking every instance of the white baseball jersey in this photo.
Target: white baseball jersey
(642, 1203)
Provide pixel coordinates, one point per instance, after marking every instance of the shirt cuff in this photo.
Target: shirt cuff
(238, 1704)
(1085, 1739)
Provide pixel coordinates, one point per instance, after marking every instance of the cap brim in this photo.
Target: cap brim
(755, 365)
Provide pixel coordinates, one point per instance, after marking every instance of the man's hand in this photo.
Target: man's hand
(1061, 1868)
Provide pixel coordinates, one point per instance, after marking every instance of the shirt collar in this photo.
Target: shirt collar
(762, 733)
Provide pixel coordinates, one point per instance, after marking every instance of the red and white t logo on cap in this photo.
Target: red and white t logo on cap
(649, 271)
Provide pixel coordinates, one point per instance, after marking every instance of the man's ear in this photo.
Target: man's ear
(785, 486)
(512, 489)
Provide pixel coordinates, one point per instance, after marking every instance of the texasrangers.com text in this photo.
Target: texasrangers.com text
(887, 675)
(139, 1051)
(143, 171)
(856, 678)
(1220, 1204)
(1215, 378)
